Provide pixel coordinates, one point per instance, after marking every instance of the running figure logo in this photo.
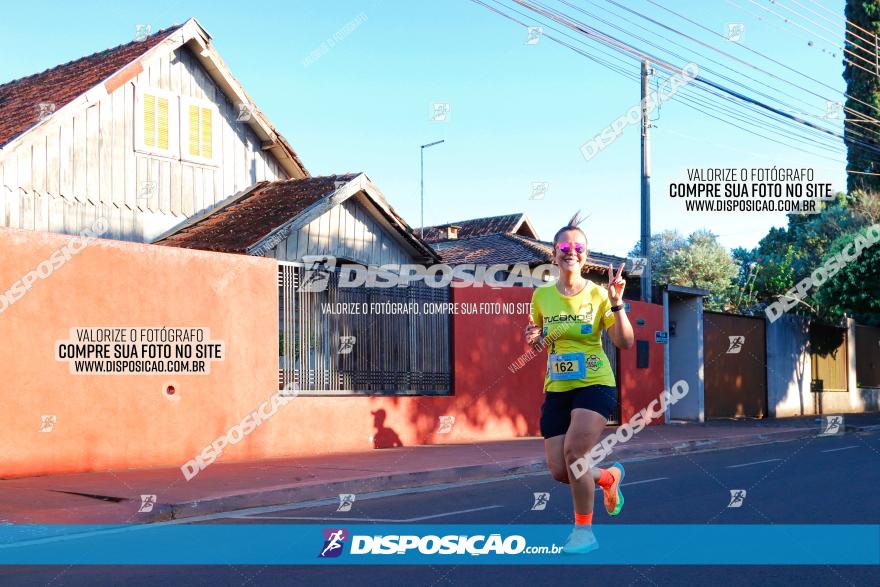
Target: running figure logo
(541, 501)
(540, 189)
(446, 424)
(317, 272)
(147, 191)
(832, 109)
(45, 110)
(334, 541)
(47, 423)
(735, 31)
(440, 111)
(147, 503)
(737, 497)
(639, 264)
(245, 112)
(142, 31)
(736, 344)
(346, 344)
(832, 425)
(535, 33)
(346, 501)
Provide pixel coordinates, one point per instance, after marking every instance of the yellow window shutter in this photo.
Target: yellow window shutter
(149, 120)
(194, 130)
(162, 123)
(207, 133)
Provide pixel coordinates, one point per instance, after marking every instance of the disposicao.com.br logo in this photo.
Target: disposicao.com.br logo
(453, 544)
(334, 542)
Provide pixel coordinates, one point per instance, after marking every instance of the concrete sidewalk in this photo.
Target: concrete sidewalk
(114, 497)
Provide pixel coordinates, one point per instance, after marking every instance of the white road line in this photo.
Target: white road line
(841, 448)
(643, 481)
(754, 463)
(389, 520)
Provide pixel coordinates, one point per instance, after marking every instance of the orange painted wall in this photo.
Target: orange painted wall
(120, 421)
(639, 386)
(115, 421)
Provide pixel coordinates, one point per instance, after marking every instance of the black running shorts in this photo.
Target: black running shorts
(556, 411)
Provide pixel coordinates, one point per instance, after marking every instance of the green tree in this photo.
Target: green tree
(787, 255)
(663, 245)
(855, 289)
(698, 261)
(863, 91)
(744, 298)
(706, 264)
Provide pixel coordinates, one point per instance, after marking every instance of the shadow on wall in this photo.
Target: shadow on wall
(490, 401)
(789, 368)
(384, 437)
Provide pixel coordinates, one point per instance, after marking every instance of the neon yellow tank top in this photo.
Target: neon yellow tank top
(572, 328)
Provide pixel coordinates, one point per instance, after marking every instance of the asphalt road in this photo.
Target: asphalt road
(830, 480)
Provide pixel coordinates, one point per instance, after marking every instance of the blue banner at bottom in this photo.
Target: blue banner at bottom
(361, 544)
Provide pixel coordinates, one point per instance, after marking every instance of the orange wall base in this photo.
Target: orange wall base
(638, 387)
(113, 421)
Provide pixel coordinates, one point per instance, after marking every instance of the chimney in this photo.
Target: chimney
(452, 231)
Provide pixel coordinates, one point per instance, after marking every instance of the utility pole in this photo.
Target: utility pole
(422, 184)
(646, 186)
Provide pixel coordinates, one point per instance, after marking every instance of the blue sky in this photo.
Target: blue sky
(519, 112)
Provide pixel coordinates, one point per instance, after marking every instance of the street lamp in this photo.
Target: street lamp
(422, 182)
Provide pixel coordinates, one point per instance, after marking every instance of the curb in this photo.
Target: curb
(870, 428)
(709, 445)
(316, 491)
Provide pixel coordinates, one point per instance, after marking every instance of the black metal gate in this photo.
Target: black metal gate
(361, 340)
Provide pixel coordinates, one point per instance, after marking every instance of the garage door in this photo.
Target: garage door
(734, 366)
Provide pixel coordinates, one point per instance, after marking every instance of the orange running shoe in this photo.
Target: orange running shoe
(613, 495)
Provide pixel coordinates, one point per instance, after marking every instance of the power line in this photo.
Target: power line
(668, 40)
(771, 59)
(846, 29)
(826, 9)
(763, 156)
(853, 121)
(686, 101)
(771, 139)
(822, 27)
(616, 68)
(736, 115)
(773, 24)
(875, 133)
(819, 37)
(642, 55)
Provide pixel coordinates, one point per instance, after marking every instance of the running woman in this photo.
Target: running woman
(580, 393)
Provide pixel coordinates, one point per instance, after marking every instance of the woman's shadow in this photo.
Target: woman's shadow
(384, 437)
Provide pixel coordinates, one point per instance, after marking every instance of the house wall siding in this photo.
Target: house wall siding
(349, 231)
(82, 166)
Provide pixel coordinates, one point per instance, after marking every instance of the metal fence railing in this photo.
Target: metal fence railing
(361, 340)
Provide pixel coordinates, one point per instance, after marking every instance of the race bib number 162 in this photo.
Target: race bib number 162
(567, 366)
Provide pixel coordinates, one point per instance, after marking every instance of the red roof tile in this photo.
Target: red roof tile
(20, 99)
(507, 249)
(473, 227)
(241, 224)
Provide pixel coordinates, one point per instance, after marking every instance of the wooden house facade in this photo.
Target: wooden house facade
(145, 135)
